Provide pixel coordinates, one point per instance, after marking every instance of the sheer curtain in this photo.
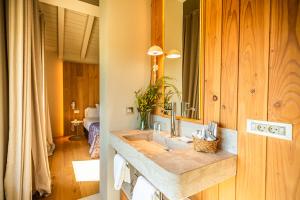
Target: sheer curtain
(190, 67)
(41, 172)
(29, 137)
(3, 100)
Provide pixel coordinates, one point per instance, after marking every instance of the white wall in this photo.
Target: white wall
(124, 68)
(54, 84)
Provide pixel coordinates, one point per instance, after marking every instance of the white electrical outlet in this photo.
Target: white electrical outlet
(270, 129)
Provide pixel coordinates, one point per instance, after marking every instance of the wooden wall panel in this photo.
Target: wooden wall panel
(229, 80)
(212, 74)
(253, 97)
(157, 33)
(81, 83)
(227, 189)
(230, 58)
(283, 161)
(123, 196)
(212, 58)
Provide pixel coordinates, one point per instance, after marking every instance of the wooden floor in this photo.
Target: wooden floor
(64, 183)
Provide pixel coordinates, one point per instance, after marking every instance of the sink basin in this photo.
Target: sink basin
(159, 139)
(172, 166)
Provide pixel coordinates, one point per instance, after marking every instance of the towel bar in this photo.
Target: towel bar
(137, 174)
(127, 163)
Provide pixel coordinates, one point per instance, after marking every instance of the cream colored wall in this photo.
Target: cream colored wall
(54, 82)
(124, 68)
(173, 40)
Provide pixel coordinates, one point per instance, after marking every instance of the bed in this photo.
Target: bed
(92, 129)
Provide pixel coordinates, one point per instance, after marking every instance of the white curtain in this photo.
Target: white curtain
(41, 172)
(27, 167)
(50, 143)
(3, 100)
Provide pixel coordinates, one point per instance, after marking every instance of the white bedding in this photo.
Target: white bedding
(88, 121)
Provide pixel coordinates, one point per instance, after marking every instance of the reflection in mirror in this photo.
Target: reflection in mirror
(182, 31)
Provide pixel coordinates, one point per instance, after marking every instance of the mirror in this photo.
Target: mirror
(182, 33)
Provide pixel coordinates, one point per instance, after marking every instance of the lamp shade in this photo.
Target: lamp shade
(173, 54)
(155, 51)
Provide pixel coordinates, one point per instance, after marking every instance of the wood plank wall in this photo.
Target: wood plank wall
(157, 36)
(81, 84)
(252, 66)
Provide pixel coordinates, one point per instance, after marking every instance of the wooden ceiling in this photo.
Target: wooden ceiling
(71, 30)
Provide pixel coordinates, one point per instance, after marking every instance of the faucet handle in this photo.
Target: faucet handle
(157, 127)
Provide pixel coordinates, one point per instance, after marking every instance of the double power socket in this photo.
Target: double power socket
(270, 129)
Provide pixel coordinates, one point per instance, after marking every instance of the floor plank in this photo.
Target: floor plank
(64, 185)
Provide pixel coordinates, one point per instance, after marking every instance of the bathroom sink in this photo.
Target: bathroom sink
(172, 166)
(161, 139)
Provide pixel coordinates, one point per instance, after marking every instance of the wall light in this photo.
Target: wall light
(157, 51)
(173, 54)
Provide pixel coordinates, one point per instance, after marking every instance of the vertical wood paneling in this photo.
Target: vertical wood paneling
(229, 80)
(157, 33)
(81, 83)
(196, 196)
(252, 97)
(213, 32)
(212, 60)
(230, 58)
(227, 189)
(211, 193)
(283, 161)
(157, 36)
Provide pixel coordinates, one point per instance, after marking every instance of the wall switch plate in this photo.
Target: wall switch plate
(270, 129)
(129, 110)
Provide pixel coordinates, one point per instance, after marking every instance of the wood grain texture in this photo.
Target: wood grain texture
(157, 37)
(213, 32)
(229, 80)
(157, 33)
(227, 189)
(253, 97)
(81, 84)
(123, 196)
(64, 185)
(211, 193)
(230, 58)
(283, 161)
(212, 74)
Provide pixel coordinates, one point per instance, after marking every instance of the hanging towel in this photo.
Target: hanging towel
(143, 190)
(121, 172)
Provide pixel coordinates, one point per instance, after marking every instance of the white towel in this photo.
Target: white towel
(121, 172)
(143, 190)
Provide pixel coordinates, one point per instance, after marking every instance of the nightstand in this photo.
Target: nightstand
(76, 123)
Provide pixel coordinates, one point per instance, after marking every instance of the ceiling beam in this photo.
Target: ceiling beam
(61, 32)
(75, 5)
(87, 35)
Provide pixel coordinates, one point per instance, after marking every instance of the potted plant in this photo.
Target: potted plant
(149, 98)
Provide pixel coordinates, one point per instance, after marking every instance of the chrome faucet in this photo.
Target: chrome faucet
(157, 127)
(172, 111)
